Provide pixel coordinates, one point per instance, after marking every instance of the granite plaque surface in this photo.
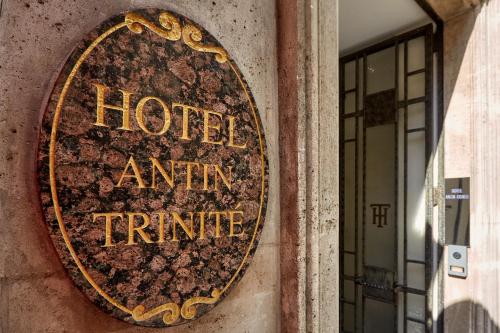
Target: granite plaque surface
(152, 169)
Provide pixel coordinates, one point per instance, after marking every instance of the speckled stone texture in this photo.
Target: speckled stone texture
(89, 161)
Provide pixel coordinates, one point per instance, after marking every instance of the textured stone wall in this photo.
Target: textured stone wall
(35, 37)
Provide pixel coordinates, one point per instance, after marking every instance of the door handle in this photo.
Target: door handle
(402, 288)
(362, 282)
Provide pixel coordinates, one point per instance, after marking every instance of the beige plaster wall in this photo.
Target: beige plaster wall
(35, 37)
(472, 128)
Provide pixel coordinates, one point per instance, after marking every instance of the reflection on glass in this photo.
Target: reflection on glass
(379, 316)
(416, 85)
(416, 276)
(380, 71)
(415, 218)
(349, 193)
(350, 128)
(348, 317)
(416, 115)
(350, 75)
(415, 327)
(349, 103)
(360, 83)
(401, 72)
(401, 191)
(416, 54)
(457, 214)
(416, 306)
(349, 264)
(349, 290)
(360, 192)
(379, 232)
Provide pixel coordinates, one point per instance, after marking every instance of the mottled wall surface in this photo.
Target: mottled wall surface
(35, 37)
(472, 128)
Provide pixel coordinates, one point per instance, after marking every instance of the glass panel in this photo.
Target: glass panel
(415, 327)
(360, 192)
(349, 290)
(348, 317)
(359, 307)
(349, 101)
(416, 276)
(457, 216)
(416, 85)
(401, 311)
(379, 228)
(416, 306)
(401, 72)
(416, 54)
(350, 75)
(379, 317)
(350, 128)
(349, 192)
(361, 61)
(416, 196)
(416, 115)
(349, 263)
(401, 191)
(380, 71)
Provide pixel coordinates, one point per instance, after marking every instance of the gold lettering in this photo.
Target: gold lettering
(125, 108)
(139, 115)
(233, 222)
(177, 219)
(202, 224)
(136, 175)
(185, 118)
(207, 126)
(226, 181)
(161, 228)
(217, 221)
(205, 177)
(155, 164)
(140, 230)
(231, 135)
(109, 226)
(189, 168)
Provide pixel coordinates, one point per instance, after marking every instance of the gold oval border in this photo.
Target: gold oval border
(53, 185)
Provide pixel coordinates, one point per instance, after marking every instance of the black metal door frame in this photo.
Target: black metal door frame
(433, 44)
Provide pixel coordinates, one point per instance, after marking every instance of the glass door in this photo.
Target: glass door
(386, 111)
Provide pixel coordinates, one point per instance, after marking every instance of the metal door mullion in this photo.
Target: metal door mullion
(411, 101)
(415, 72)
(413, 130)
(342, 190)
(415, 261)
(405, 182)
(348, 302)
(416, 320)
(349, 91)
(363, 236)
(350, 115)
(356, 212)
(396, 173)
(415, 291)
(429, 177)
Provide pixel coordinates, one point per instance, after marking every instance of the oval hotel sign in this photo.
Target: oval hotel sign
(152, 169)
